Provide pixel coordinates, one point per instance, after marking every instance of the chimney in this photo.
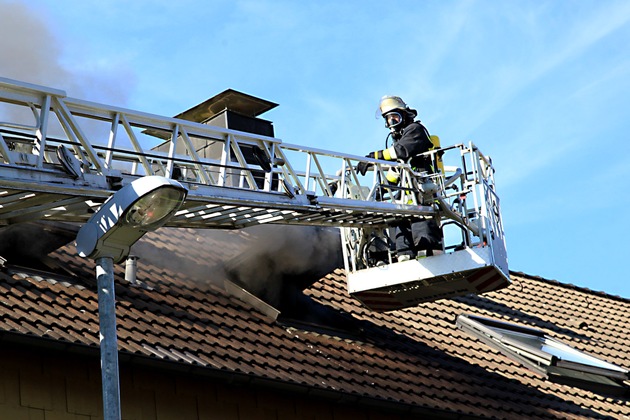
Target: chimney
(131, 267)
(236, 111)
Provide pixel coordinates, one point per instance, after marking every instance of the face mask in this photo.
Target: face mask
(393, 119)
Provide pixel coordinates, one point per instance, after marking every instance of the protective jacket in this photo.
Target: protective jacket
(414, 139)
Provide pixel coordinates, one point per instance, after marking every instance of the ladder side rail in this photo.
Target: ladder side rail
(151, 121)
(131, 119)
(318, 177)
(402, 167)
(75, 133)
(138, 119)
(21, 100)
(29, 89)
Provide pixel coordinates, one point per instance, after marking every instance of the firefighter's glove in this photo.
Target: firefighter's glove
(362, 167)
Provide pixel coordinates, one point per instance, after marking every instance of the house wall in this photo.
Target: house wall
(37, 383)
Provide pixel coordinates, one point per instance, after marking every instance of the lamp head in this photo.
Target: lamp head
(141, 206)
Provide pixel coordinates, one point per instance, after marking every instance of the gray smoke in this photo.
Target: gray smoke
(31, 51)
(273, 262)
(29, 243)
(283, 260)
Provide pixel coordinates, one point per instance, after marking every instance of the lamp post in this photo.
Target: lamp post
(141, 206)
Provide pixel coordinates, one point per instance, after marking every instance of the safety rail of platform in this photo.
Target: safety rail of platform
(61, 157)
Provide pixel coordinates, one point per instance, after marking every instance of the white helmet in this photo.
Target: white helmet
(389, 104)
(394, 110)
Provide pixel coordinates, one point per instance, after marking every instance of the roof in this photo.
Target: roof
(181, 314)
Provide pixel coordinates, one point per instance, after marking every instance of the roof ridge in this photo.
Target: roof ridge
(571, 286)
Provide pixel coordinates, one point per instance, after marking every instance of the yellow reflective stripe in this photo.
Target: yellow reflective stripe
(392, 176)
(389, 154)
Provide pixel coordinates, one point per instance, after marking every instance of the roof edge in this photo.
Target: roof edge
(571, 286)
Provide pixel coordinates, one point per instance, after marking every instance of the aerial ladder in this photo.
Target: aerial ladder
(61, 158)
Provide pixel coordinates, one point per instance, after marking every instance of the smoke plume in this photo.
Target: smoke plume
(32, 51)
(283, 260)
(273, 262)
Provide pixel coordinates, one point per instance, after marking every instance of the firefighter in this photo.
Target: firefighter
(410, 138)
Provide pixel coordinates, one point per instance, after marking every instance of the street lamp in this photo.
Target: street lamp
(141, 206)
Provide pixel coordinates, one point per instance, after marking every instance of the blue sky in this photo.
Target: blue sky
(543, 87)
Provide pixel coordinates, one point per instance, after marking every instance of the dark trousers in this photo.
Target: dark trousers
(424, 235)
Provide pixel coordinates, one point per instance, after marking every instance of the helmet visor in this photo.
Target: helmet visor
(392, 119)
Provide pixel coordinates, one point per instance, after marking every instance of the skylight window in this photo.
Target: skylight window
(554, 360)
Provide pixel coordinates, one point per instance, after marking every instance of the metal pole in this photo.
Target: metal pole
(108, 338)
